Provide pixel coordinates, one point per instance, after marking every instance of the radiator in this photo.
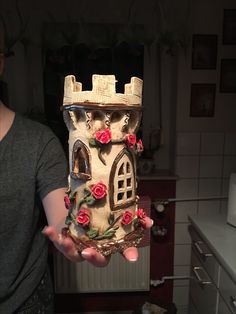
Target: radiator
(118, 276)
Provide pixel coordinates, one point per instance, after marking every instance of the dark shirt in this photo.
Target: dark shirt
(32, 164)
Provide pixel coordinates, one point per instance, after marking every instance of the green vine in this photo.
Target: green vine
(108, 233)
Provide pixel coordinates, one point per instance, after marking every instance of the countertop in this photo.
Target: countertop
(220, 237)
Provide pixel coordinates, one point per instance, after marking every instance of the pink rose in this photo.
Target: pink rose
(130, 140)
(127, 218)
(140, 146)
(103, 136)
(83, 217)
(140, 213)
(67, 202)
(99, 190)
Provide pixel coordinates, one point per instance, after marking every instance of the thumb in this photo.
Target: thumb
(94, 257)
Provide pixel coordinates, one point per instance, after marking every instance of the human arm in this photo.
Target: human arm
(53, 204)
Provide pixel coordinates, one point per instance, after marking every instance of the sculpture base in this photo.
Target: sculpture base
(107, 248)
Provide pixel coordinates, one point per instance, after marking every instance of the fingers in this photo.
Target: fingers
(50, 232)
(67, 247)
(131, 254)
(95, 258)
(57, 239)
(64, 245)
(147, 222)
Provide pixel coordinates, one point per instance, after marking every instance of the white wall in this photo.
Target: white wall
(205, 147)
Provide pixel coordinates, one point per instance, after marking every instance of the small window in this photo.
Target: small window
(80, 162)
(123, 181)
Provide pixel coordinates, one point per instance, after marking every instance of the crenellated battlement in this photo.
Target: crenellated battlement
(103, 91)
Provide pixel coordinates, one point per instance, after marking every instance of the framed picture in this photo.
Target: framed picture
(202, 100)
(229, 27)
(228, 76)
(204, 52)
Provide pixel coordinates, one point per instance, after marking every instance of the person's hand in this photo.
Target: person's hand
(131, 254)
(66, 246)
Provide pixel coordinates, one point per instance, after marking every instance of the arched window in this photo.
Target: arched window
(80, 161)
(122, 181)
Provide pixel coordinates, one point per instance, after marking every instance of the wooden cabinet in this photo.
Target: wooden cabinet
(204, 276)
(212, 291)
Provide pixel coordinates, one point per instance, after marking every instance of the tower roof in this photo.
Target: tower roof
(103, 93)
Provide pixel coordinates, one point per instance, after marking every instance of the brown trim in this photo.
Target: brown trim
(125, 205)
(107, 248)
(107, 106)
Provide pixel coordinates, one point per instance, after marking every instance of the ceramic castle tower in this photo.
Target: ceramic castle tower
(102, 201)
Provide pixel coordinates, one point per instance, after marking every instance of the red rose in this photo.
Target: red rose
(103, 136)
(99, 190)
(83, 217)
(140, 146)
(127, 218)
(130, 140)
(140, 213)
(67, 202)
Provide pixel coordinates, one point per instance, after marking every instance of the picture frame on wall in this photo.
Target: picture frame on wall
(204, 51)
(228, 76)
(229, 27)
(202, 103)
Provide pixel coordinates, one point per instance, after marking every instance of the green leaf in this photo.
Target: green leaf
(105, 236)
(86, 192)
(72, 197)
(68, 220)
(90, 200)
(109, 232)
(113, 223)
(92, 142)
(92, 233)
(73, 218)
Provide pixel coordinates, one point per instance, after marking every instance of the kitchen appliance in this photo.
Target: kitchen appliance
(231, 215)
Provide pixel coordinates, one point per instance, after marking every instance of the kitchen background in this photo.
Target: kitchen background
(193, 61)
(205, 146)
